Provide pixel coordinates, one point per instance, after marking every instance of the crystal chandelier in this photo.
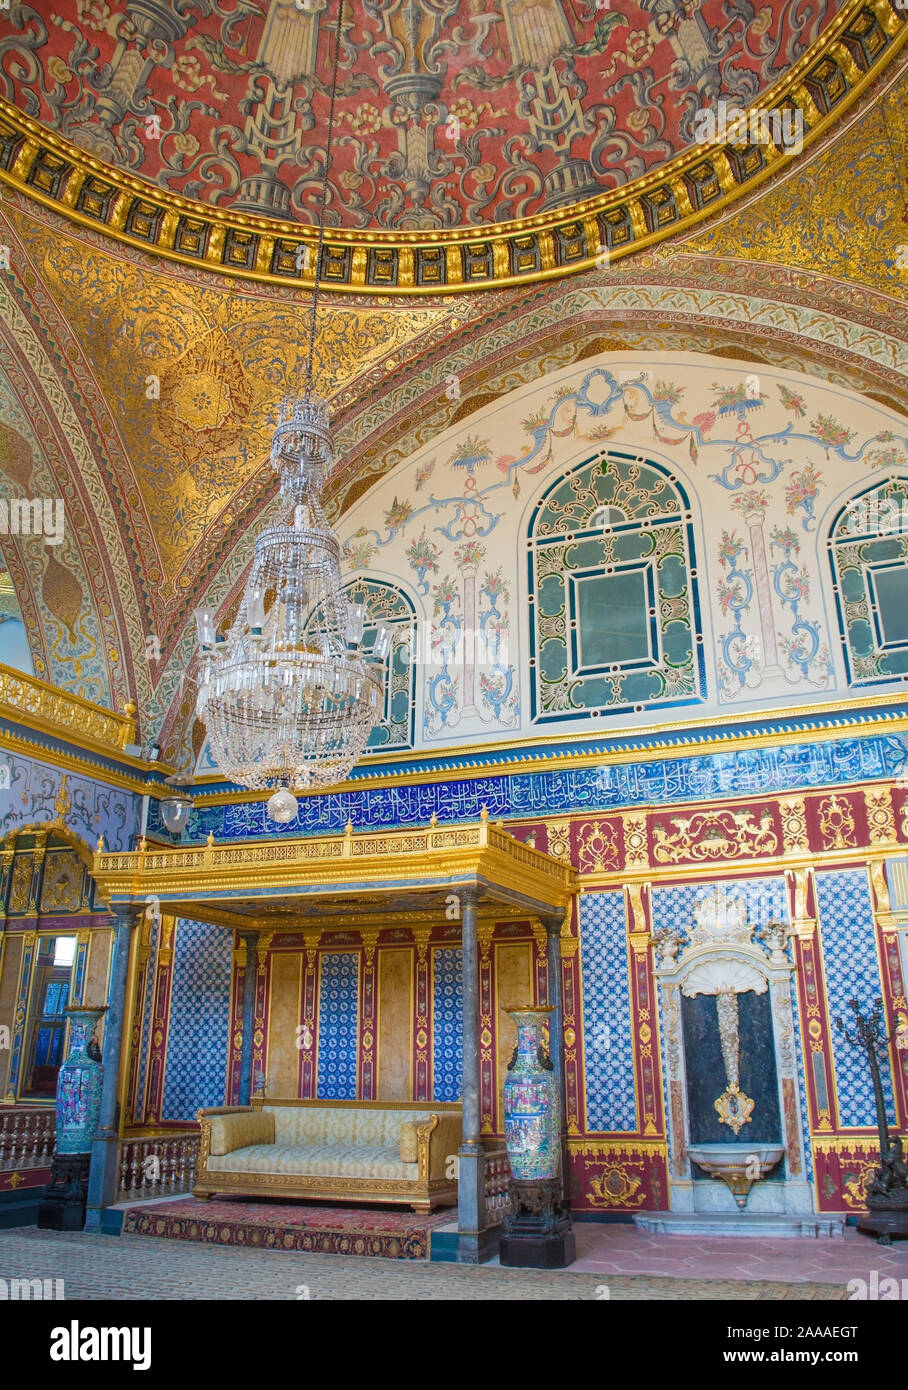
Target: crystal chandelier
(290, 695)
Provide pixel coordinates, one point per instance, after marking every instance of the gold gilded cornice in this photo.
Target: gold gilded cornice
(47, 709)
(694, 185)
(321, 869)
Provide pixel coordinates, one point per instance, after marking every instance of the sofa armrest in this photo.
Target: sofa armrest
(438, 1142)
(233, 1127)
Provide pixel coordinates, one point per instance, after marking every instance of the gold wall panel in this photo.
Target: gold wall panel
(9, 988)
(395, 1024)
(283, 1019)
(841, 215)
(97, 972)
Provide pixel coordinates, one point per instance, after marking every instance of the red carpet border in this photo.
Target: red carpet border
(393, 1235)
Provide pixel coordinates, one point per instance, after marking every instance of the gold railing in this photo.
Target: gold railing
(41, 706)
(157, 1165)
(390, 844)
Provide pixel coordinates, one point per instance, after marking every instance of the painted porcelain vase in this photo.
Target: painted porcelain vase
(531, 1121)
(79, 1085)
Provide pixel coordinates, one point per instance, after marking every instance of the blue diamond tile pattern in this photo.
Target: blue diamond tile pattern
(610, 1104)
(196, 1073)
(338, 1014)
(767, 900)
(447, 1016)
(852, 971)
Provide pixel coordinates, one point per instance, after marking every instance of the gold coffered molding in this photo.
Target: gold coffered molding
(694, 185)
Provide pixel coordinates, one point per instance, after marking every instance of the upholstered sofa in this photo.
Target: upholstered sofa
(340, 1150)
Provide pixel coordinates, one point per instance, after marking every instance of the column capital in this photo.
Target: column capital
(128, 914)
(469, 895)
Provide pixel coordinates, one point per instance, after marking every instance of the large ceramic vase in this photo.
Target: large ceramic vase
(532, 1124)
(79, 1085)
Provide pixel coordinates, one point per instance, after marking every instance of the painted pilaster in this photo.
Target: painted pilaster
(262, 958)
(892, 975)
(556, 1035)
(421, 1034)
(37, 884)
(80, 964)
(573, 1054)
(642, 1009)
(471, 1168)
(235, 1046)
(250, 940)
(816, 1044)
(135, 1102)
(488, 1031)
(160, 1022)
(367, 1016)
(17, 1040)
(102, 1178)
(308, 1033)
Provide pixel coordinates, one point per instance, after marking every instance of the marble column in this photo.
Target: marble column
(471, 1163)
(105, 1150)
(250, 940)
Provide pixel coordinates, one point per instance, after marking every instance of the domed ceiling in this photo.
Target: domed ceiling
(455, 119)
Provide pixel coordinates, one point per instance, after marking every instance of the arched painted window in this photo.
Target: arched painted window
(615, 618)
(384, 603)
(14, 647)
(868, 551)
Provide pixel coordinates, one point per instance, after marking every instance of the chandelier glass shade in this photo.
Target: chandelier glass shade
(290, 695)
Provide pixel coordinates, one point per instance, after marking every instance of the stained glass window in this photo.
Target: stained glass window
(868, 551)
(615, 618)
(386, 604)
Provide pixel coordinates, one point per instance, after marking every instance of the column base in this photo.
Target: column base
(476, 1247)
(537, 1233)
(537, 1252)
(62, 1206)
(885, 1225)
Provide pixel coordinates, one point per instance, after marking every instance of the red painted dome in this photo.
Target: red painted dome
(451, 113)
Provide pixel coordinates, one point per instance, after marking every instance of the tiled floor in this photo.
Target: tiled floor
(141, 1267)
(617, 1248)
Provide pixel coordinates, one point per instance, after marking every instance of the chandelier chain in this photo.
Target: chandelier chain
(323, 207)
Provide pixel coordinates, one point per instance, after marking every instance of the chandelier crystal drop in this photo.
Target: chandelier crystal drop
(290, 695)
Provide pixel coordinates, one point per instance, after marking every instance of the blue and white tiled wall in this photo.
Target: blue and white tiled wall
(196, 1067)
(852, 969)
(447, 1016)
(338, 1017)
(610, 1104)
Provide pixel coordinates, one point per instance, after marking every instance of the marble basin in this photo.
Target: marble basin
(739, 1166)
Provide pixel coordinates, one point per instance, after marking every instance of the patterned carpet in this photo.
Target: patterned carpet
(353, 1230)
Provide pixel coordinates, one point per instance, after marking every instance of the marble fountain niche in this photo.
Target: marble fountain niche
(736, 1148)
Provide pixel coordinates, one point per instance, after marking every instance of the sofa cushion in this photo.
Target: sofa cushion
(316, 1161)
(314, 1124)
(229, 1132)
(409, 1143)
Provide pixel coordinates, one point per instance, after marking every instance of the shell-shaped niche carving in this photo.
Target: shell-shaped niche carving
(723, 975)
